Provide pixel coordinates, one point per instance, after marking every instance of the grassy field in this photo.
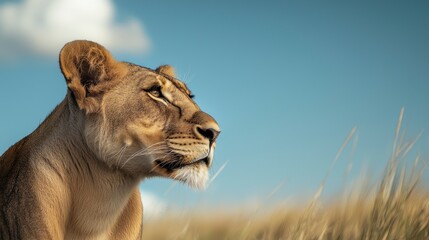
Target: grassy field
(395, 207)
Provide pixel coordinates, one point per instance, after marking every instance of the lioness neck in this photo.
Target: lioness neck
(95, 195)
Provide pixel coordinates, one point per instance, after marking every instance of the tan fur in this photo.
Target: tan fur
(76, 176)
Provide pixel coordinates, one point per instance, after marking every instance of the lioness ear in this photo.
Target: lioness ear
(89, 70)
(166, 69)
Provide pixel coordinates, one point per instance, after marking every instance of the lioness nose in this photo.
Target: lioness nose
(208, 133)
(206, 126)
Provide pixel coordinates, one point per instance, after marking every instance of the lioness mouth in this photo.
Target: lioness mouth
(171, 166)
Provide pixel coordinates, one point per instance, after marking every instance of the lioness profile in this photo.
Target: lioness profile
(76, 176)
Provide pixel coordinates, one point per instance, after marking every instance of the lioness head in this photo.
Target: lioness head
(140, 121)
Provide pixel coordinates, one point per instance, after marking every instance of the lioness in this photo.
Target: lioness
(76, 176)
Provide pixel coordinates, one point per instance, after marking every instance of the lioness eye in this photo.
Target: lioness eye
(155, 92)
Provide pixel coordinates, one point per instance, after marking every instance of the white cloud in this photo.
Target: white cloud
(153, 206)
(42, 27)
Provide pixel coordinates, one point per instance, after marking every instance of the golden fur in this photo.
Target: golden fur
(76, 176)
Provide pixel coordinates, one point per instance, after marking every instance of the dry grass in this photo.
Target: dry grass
(396, 207)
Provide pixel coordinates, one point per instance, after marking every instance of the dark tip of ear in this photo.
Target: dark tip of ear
(167, 70)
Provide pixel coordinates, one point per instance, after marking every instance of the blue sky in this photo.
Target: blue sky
(286, 80)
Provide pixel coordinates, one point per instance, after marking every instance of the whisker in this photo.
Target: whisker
(142, 154)
(158, 147)
(121, 153)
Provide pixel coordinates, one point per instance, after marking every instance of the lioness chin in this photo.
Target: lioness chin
(76, 176)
